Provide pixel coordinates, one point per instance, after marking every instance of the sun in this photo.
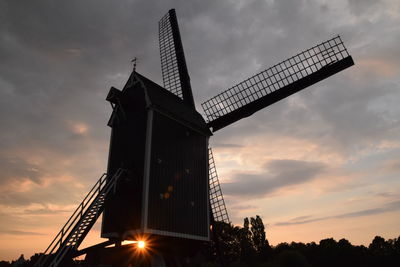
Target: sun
(141, 244)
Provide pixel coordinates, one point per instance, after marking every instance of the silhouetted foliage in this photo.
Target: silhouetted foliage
(248, 246)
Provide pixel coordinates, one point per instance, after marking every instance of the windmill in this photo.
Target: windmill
(161, 180)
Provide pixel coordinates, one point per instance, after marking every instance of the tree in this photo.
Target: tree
(261, 244)
(246, 243)
(383, 252)
(289, 258)
(379, 246)
(258, 233)
(396, 246)
(228, 242)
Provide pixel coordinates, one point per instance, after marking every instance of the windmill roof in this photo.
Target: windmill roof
(166, 102)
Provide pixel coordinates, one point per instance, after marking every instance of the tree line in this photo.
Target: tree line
(248, 246)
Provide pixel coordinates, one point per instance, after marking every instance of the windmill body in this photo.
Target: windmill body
(163, 143)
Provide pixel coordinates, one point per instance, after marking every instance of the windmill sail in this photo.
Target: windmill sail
(277, 83)
(173, 64)
(218, 208)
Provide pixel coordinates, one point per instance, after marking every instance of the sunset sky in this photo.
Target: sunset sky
(322, 163)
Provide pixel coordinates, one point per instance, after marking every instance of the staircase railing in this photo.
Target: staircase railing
(81, 221)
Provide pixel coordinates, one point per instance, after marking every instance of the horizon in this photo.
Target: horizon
(323, 163)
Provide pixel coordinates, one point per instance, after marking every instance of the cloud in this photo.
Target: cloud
(340, 113)
(301, 218)
(46, 211)
(362, 6)
(17, 169)
(243, 207)
(389, 207)
(17, 232)
(388, 194)
(278, 174)
(391, 166)
(60, 190)
(227, 145)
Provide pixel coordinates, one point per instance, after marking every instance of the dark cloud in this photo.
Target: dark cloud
(59, 61)
(302, 221)
(346, 112)
(392, 206)
(278, 174)
(362, 6)
(301, 218)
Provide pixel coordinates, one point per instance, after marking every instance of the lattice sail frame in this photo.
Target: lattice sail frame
(169, 61)
(275, 77)
(217, 202)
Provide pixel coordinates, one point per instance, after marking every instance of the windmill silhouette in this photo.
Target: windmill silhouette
(161, 180)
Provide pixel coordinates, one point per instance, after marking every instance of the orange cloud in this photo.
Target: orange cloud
(380, 67)
(80, 128)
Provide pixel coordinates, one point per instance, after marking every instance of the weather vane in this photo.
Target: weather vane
(134, 61)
